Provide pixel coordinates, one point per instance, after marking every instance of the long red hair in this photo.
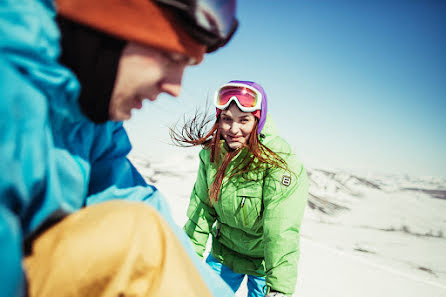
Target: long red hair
(260, 157)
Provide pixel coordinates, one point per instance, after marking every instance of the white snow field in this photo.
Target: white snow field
(362, 236)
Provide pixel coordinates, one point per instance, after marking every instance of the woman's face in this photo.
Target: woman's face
(236, 126)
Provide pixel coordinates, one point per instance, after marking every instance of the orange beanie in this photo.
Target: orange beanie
(140, 21)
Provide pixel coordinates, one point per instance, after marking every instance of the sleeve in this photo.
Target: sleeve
(201, 215)
(109, 162)
(113, 176)
(285, 197)
(25, 149)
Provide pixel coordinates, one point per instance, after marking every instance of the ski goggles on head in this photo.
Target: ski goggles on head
(247, 98)
(210, 22)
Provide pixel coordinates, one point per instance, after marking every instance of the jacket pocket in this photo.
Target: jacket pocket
(249, 208)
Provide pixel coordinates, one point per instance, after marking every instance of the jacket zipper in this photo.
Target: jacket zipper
(242, 203)
(217, 231)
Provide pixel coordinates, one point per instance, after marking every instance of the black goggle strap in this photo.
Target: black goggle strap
(185, 11)
(223, 42)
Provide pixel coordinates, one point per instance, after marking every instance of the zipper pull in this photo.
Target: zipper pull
(243, 202)
(217, 232)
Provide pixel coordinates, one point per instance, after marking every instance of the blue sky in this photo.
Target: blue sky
(355, 85)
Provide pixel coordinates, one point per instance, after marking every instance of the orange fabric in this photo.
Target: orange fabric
(112, 249)
(140, 21)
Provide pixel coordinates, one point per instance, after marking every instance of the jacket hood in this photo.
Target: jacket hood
(95, 67)
(269, 129)
(270, 138)
(30, 42)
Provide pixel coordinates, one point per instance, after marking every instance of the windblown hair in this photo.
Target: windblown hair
(195, 132)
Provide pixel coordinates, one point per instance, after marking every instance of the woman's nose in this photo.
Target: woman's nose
(234, 128)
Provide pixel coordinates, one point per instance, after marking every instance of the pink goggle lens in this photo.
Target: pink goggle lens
(246, 97)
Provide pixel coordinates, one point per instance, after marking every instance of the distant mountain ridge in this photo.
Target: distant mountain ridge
(329, 189)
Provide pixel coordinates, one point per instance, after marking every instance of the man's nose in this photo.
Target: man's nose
(173, 89)
(171, 83)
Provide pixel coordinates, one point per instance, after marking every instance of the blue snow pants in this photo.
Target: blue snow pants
(234, 280)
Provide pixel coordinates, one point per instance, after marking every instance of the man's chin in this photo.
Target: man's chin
(120, 116)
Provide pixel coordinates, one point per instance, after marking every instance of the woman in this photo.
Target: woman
(250, 193)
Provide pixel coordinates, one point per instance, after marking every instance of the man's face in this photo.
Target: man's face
(144, 73)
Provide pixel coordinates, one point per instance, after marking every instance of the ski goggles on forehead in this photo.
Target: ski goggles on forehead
(248, 99)
(210, 22)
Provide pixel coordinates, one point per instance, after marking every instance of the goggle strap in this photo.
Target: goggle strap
(223, 42)
(185, 12)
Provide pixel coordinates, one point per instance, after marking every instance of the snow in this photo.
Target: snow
(361, 235)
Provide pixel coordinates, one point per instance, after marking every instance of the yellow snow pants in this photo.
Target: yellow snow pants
(112, 249)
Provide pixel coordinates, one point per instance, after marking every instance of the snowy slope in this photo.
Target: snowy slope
(361, 236)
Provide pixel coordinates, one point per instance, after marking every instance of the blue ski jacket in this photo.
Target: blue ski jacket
(52, 156)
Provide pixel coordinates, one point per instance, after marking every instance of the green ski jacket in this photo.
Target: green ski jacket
(255, 224)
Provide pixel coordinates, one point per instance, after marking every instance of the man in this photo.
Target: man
(64, 148)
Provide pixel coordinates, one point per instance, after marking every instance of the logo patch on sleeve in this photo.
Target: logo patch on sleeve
(286, 180)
